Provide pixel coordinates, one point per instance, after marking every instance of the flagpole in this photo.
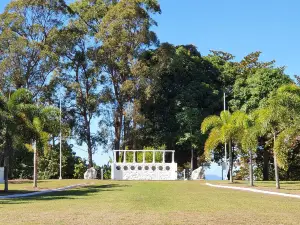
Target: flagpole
(225, 145)
(60, 139)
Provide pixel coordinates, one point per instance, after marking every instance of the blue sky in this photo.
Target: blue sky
(235, 26)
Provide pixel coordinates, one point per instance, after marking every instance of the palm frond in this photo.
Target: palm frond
(225, 116)
(240, 119)
(210, 123)
(264, 118)
(282, 146)
(21, 95)
(213, 140)
(249, 139)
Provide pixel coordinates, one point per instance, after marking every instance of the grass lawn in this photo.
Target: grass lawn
(132, 202)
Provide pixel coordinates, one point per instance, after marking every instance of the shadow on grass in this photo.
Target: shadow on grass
(75, 193)
(11, 192)
(26, 181)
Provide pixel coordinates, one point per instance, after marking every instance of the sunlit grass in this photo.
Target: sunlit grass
(176, 202)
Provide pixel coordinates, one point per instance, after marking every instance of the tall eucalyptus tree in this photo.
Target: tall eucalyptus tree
(28, 32)
(125, 32)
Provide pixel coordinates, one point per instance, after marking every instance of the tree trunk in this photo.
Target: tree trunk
(225, 148)
(126, 142)
(118, 120)
(35, 162)
(6, 166)
(230, 161)
(266, 159)
(89, 145)
(7, 150)
(134, 125)
(90, 155)
(251, 168)
(192, 159)
(88, 139)
(275, 166)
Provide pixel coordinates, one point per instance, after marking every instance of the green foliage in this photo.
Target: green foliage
(21, 163)
(148, 155)
(178, 90)
(221, 129)
(79, 169)
(106, 171)
(49, 162)
(29, 52)
(49, 165)
(258, 173)
(253, 92)
(280, 118)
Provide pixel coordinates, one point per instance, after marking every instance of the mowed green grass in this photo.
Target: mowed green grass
(133, 202)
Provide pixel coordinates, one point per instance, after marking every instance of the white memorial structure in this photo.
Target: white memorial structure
(143, 170)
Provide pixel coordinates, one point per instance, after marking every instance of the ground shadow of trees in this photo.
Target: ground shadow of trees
(75, 193)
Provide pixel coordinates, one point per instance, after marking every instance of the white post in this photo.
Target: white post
(192, 159)
(124, 161)
(115, 157)
(60, 155)
(34, 165)
(144, 157)
(225, 145)
(134, 161)
(163, 157)
(153, 161)
(173, 160)
(101, 173)
(184, 174)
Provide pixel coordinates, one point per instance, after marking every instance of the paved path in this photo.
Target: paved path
(254, 190)
(40, 192)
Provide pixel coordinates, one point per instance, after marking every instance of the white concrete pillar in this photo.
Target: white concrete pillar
(124, 161)
(173, 157)
(134, 161)
(143, 156)
(115, 157)
(163, 160)
(153, 157)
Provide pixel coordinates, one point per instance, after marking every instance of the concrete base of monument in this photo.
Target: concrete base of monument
(160, 165)
(144, 171)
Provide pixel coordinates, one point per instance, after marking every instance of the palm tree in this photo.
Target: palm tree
(250, 132)
(289, 98)
(221, 129)
(31, 123)
(280, 119)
